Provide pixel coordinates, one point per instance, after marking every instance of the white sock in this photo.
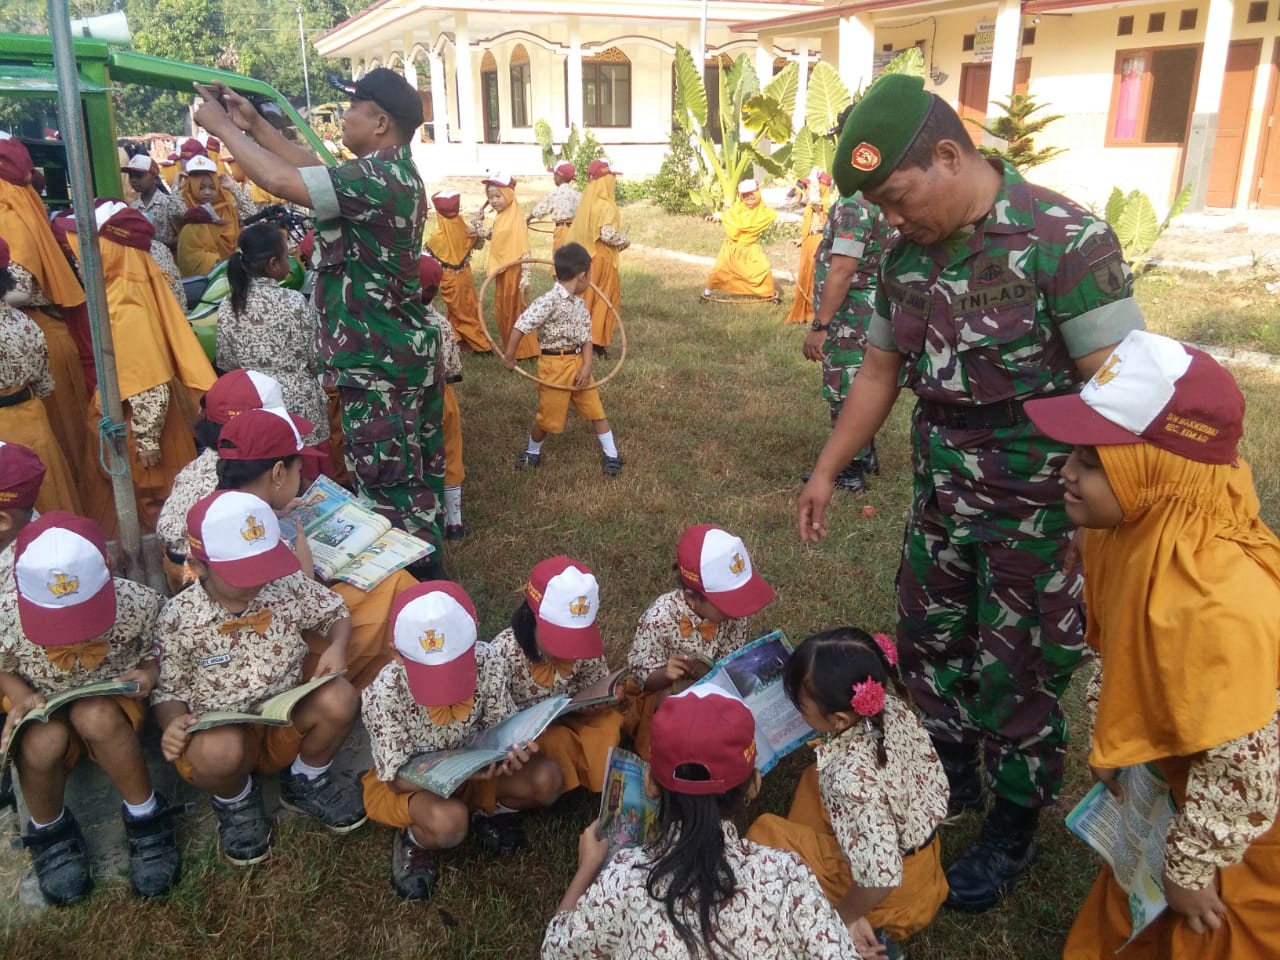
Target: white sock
(535, 446)
(606, 444)
(301, 768)
(453, 505)
(243, 794)
(143, 809)
(52, 823)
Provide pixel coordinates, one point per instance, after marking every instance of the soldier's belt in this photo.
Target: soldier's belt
(986, 416)
(566, 352)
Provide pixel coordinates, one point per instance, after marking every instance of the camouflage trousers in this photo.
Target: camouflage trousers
(394, 446)
(989, 634)
(841, 358)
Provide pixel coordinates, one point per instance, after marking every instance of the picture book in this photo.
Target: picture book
(350, 541)
(275, 711)
(754, 672)
(103, 688)
(628, 815)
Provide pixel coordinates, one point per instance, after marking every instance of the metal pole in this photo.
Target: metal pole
(703, 35)
(71, 123)
(306, 77)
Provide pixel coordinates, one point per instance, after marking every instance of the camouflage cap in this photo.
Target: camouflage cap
(879, 132)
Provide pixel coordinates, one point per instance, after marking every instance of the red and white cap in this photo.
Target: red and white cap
(716, 564)
(565, 599)
(140, 163)
(434, 629)
(239, 390)
(238, 536)
(21, 473)
(199, 163)
(104, 210)
(748, 186)
(599, 168)
(1153, 389)
(708, 728)
(268, 433)
(500, 180)
(447, 202)
(65, 591)
(565, 169)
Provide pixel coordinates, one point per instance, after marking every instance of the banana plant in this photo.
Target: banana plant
(726, 164)
(550, 155)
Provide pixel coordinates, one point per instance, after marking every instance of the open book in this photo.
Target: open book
(444, 771)
(754, 672)
(103, 688)
(350, 541)
(275, 711)
(628, 815)
(1130, 836)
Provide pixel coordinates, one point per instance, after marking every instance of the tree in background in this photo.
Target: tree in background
(1016, 128)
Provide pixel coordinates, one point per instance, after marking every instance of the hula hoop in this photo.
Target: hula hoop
(500, 348)
(737, 298)
(542, 226)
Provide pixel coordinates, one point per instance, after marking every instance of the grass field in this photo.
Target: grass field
(717, 414)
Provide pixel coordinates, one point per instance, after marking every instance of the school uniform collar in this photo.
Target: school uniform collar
(836, 745)
(208, 612)
(683, 608)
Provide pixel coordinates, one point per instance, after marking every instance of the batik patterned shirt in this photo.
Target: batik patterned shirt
(162, 210)
(194, 482)
(525, 690)
(163, 257)
(562, 320)
(560, 205)
(670, 627)
(24, 354)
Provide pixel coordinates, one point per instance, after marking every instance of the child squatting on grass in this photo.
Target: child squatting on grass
(1182, 585)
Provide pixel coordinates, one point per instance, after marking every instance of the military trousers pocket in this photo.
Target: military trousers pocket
(380, 451)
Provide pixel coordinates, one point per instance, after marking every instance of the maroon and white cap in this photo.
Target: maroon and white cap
(565, 599)
(447, 202)
(434, 629)
(1153, 389)
(238, 536)
(21, 474)
(565, 169)
(716, 564)
(65, 591)
(706, 728)
(140, 163)
(500, 180)
(598, 168)
(267, 433)
(200, 164)
(239, 390)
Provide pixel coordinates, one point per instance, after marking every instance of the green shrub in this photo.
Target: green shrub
(675, 188)
(589, 149)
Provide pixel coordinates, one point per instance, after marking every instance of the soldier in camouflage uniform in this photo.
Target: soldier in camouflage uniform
(998, 291)
(844, 283)
(375, 344)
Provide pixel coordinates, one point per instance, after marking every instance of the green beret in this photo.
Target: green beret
(879, 131)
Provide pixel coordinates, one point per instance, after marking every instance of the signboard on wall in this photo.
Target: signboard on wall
(984, 41)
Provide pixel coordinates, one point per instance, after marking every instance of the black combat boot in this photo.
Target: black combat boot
(852, 478)
(964, 775)
(871, 462)
(989, 868)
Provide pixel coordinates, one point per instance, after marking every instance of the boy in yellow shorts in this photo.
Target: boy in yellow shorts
(563, 323)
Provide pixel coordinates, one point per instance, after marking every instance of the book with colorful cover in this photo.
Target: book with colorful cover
(275, 711)
(350, 541)
(102, 688)
(628, 815)
(754, 673)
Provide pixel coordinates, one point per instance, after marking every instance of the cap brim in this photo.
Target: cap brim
(440, 686)
(1069, 419)
(250, 572)
(570, 643)
(750, 598)
(50, 627)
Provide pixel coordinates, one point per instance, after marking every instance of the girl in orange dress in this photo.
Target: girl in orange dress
(508, 241)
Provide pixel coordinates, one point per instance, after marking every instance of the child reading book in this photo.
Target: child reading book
(698, 890)
(442, 687)
(260, 452)
(67, 624)
(1182, 585)
(234, 639)
(865, 816)
(553, 646)
(683, 632)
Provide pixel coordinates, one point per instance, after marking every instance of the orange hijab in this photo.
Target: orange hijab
(154, 341)
(744, 224)
(1184, 606)
(225, 206)
(449, 240)
(510, 234)
(596, 209)
(31, 242)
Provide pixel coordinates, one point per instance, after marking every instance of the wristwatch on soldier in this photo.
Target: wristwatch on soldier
(818, 325)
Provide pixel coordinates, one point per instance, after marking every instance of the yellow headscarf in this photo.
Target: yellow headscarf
(744, 224)
(510, 233)
(225, 207)
(32, 245)
(597, 208)
(449, 241)
(1184, 606)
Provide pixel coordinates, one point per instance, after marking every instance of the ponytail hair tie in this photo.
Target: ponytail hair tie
(868, 697)
(888, 648)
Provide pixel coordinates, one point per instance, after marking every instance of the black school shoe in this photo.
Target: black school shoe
(61, 861)
(527, 459)
(1003, 851)
(155, 863)
(244, 833)
(500, 835)
(611, 466)
(414, 870)
(337, 802)
(454, 532)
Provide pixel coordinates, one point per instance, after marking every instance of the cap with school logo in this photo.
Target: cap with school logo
(879, 131)
(434, 628)
(238, 536)
(500, 180)
(599, 168)
(140, 163)
(21, 473)
(239, 390)
(1153, 389)
(565, 598)
(707, 731)
(748, 186)
(268, 433)
(716, 564)
(200, 164)
(65, 591)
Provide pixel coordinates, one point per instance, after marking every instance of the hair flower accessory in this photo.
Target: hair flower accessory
(888, 648)
(868, 697)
